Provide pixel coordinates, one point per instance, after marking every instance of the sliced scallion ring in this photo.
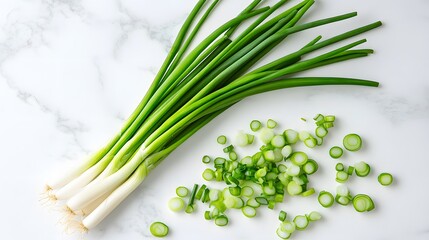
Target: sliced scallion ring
(271, 123)
(326, 199)
(221, 139)
(206, 159)
(362, 169)
(363, 203)
(385, 179)
(301, 222)
(221, 220)
(208, 174)
(352, 142)
(291, 136)
(182, 191)
(249, 211)
(247, 191)
(255, 125)
(294, 188)
(282, 234)
(321, 131)
(336, 152)
(342, 177)
(176, 204)
(310, 167)
(278, 141)
(158, 229)
(299, 158)
(288, 226)
(339, 167)
(314, 216)
(310, 142)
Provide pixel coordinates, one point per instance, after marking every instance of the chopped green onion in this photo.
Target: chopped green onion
(339, 167)
(293, 170)
(286, 151)
(208, 174)
(350, 170)
(228, 149)
(158, 229)
(321, 131)
(279, 197)
(271, 204)
(249, 211)
(362, 169)
(205, 198)
(250, 138)
(214, 195)
(352, 142)
(266, 134)
(247, 191)
(271, 123)
(291, 136)
(233, 156)
(314, 216)
(301, 222)
(190, 206)
(282, 168)
(328, 125)
(385, 179)
(176, 204)
(310, 167)
(255, 125)
(363, 203)
(182, 191)
(282, 215)
(200, 192)
(241, 139)
(342, 177)
(304, 135)
(343, 200)
(336, 152)
(310, 142)
(269, 190)
(261, 200)
(309, 192)
(318, 117)
(288, 226)
(282, 234)
(304, 120)
(189, 209)
(299, 158)
(294, 188)
(248, 161)
(326, 199)
(221, 220)
(206, 159)
(330, 118)
(219, 161)
(207, 215)
(278, 141)
(221, 139)
(252, 202)
(319, 141)
(342, 190)
(235, 191)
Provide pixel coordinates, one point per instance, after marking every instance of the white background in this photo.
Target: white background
(71, 72)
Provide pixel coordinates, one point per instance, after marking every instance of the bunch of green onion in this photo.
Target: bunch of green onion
(192, 87)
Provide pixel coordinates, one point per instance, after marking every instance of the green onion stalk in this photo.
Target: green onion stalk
(192, 87)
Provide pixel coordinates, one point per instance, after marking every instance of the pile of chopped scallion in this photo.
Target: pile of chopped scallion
(275, 171)
(192, 87)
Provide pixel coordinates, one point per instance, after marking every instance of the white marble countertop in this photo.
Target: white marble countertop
(71, 71)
